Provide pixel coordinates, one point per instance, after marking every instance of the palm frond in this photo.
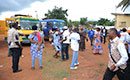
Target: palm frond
(124, 4)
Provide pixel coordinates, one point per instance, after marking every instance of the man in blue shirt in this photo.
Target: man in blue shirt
(91, 36)
(85, 30)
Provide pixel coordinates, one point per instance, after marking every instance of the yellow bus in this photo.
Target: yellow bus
(25, 22)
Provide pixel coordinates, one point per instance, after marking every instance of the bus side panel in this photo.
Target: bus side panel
(2, 27)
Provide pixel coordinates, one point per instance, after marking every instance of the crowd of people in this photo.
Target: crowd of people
(118, 43)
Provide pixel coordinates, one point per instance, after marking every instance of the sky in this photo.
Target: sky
(93, 9)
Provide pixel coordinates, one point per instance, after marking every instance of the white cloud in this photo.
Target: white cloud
(93, 9)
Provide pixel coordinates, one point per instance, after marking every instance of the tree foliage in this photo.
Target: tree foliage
(69, 23)
(83, 21)
(124, 4)
(92, 22)
(76, 23)
(105, 22)
(57, 13)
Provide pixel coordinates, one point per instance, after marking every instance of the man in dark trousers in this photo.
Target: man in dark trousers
(91, 34)
(117, 57)
(65, 43)
(15, 47)
(104, 34)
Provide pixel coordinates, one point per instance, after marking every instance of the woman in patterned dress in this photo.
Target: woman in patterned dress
(36, 39)
(97, 48)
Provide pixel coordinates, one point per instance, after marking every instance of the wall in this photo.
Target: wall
(122, 18)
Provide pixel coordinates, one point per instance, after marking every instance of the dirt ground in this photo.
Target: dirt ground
(91, 66)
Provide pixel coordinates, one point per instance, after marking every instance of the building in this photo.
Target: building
(122, 20)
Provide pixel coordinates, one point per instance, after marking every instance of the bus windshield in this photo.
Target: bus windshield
(27, 24)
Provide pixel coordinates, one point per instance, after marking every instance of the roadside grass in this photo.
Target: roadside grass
(97, 71)
(101, 64)
(95, 74)
(54, 69)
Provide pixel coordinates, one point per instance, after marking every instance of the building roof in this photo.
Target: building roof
(127, 14)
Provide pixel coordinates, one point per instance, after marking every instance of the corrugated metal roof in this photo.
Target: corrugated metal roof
(121, 14)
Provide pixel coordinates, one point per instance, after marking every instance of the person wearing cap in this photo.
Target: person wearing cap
(56, 38)
(14, 46)
(20, 38)
(65, 43)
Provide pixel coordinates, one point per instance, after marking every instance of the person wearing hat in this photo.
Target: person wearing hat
(65, 43)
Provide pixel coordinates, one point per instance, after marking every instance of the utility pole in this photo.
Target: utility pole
(36, 14)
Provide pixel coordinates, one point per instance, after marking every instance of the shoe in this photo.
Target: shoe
(73, 68)
(41, 67)
(62, 60)
(19, 70)
(76, 64)
(9, 55)
(22, 56)
(57, 56)
(32, 68)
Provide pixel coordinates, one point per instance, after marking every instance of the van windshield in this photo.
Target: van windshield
(51, 24)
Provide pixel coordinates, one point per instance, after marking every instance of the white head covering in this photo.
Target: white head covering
(18, 24)
(65, 27)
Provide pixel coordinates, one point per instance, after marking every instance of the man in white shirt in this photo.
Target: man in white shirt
(65, 43)
(9, 52)
(75, 38)
(14, 46)
(117, 57)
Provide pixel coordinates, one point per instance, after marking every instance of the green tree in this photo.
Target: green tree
(69, 23)
(124, 4)
(105, 22)
(76, 23)
(92, 23)
(83, 21)
(57, 13)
